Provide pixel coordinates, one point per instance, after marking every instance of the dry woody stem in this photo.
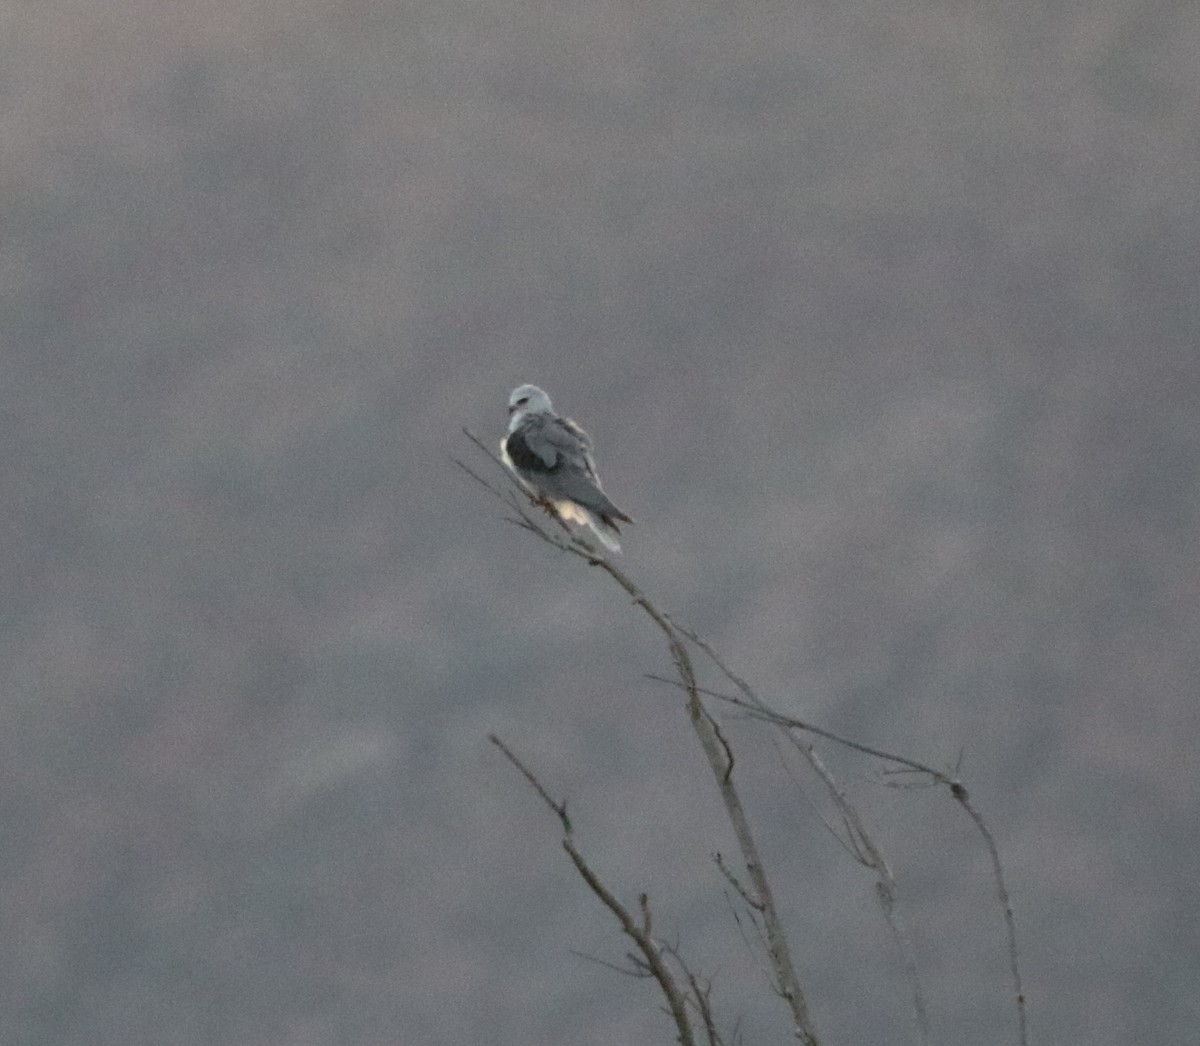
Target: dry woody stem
(750, 883)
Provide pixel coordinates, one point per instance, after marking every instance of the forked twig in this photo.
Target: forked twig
(755, 708)
(650, 954)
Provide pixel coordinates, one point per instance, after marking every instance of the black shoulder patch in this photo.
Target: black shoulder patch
(525, 459)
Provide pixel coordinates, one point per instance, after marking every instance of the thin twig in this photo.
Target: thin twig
(867, 852)
(1010, 922)
(845, 838)
(752, 916)
(742, 892)
(756, 709)
(639, 972)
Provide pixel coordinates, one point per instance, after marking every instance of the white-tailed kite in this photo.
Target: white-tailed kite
(552, 457)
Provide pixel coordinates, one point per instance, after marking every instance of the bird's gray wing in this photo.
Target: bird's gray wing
(555, 454)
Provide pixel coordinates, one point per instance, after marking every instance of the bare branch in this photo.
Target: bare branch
(787, 982)
(751, 902)
(752, 916)
(650, 954)
(638, 972)
(856, 841)
(700, 997)
(1010, 923)
(754, 707)
(868, 853)
(558, 808)
(962, 797)
(720, 757)
(845, 837)
(644, 905)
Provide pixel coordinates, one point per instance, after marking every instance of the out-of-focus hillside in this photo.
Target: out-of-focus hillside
(884, 319)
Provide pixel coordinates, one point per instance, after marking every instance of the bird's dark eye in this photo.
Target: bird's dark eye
(522, 401)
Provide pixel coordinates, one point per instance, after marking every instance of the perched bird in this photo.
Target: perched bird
(552, 457)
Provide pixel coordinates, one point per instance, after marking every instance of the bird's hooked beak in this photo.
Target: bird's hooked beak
(512, 409)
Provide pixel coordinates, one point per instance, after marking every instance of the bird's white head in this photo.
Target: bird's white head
(527, 399)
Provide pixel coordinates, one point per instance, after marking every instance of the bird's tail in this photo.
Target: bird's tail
(605, 530)
(599, 522)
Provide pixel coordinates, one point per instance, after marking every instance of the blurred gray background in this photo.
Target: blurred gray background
(884, 319)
